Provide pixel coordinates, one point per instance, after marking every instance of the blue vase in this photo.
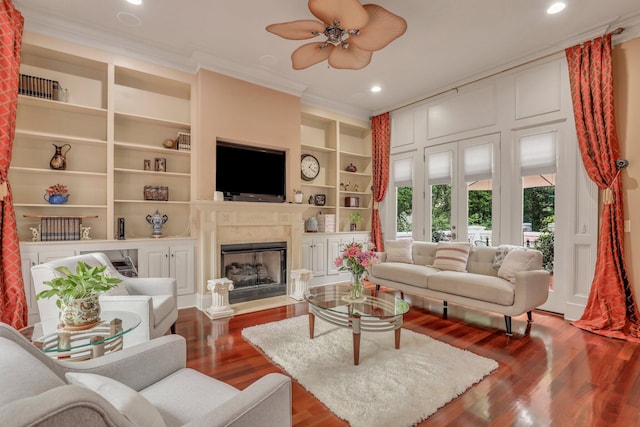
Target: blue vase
(56, 199)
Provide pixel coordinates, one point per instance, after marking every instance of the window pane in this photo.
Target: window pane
(404, 211)
(480, 201)
(538, 215)
(440, 213)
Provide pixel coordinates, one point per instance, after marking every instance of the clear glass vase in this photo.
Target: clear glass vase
(356, 289)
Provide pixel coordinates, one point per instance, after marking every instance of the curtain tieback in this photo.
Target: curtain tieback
(4, 190)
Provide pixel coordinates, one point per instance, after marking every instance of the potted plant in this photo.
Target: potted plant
(57, 194)
(354, 219)
(78, 294)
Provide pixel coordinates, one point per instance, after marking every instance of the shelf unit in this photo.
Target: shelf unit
(118, 113)
(338, 142)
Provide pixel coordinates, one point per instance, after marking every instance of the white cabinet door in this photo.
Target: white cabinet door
(314, 255)
(153, 261)
(182, 267)
(334, 250)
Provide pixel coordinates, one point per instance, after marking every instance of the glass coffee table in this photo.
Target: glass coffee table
(371, 313)
(106, 336)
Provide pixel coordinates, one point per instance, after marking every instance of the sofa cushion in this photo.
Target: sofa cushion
(452, 256)
(15, 361)
(501, 253)
(399, 250)
(129, 402)
(515, 261)
(411, 274)
(199, 395)
(423, 253)
(475, 286)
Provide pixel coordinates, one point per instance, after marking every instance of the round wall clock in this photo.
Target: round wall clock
(309, 167)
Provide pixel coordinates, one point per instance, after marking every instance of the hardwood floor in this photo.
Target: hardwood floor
(550, 374)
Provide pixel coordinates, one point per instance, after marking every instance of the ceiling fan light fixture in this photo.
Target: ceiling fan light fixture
(358, 30)
(556, 7)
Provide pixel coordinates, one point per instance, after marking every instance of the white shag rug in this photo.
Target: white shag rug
(389, 388)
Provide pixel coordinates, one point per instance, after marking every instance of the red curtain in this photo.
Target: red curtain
(611, 310)
(380, 146)
(13, 304)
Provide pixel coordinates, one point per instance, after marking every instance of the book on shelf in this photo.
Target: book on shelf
(183, 141)
(59, 228)
(38, 87)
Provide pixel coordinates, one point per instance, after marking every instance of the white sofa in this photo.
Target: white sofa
(480, 286)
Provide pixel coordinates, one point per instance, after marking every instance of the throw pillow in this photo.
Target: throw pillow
(501, 252)
(129, 402)
(452, 256)
(399, 250)
(516, 260)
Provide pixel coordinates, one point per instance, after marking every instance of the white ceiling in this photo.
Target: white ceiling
(447, 43)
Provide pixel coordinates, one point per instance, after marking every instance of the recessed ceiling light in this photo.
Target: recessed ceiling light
(376, 89)
(136, 2)
(557, 7)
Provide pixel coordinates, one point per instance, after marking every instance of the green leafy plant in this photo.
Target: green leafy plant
(86, 281)
(355, 218)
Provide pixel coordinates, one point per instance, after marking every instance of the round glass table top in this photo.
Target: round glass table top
(337, 299)
(112, 325)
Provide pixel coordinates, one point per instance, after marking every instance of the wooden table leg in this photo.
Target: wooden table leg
(355, 324)
(312, 322)
(398, 338)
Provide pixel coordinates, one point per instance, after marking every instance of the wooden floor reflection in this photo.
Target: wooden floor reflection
(550, 374)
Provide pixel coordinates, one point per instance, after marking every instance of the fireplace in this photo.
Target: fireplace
(258, 270)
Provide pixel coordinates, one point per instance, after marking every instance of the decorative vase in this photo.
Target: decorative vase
(80, 313)
(157, 221)
(56, 199)
(356, 289)
(59, 159)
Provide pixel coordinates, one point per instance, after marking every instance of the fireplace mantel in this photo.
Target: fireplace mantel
(219, 223)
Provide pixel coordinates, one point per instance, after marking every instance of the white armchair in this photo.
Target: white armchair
(155, 300)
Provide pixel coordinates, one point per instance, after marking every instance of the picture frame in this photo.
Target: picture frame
(160, 164)
(320, 199)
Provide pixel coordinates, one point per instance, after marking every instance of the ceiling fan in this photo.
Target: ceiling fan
(352, 32)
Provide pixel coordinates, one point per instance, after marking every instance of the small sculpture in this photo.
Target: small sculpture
(351, 168)
(35, 234)
(84, 233)
(157, 221)
(356, 187)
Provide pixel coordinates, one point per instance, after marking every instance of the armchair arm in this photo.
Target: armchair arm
(138, 304)
(531, 290)
(151, 286)
(138, 366)
(266, 402)
(62, 406)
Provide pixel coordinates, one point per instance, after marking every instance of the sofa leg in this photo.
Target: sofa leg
(173, 328)
(507, 321)
(377, 288)
(445, 305)
(529, 317)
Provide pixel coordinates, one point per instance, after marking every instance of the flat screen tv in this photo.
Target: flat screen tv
(246, 173)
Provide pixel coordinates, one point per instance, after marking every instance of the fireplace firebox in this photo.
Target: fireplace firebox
(258, 270)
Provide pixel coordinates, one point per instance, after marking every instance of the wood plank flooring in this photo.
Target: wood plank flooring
(550, 374)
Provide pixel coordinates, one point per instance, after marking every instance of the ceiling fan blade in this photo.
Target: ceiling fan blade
(350, 13)
(297, 30)
(383, 28)
(310, 54)
(352, 58)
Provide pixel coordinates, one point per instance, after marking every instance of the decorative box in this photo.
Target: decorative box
(156, 192)
(352, 202)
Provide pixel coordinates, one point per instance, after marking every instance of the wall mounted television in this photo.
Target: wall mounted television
(250, 174)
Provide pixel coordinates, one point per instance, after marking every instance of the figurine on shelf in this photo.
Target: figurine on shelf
(356, 188)
(347, 185)
(157, 221)
(84, 233)
(341, 186)
(351, 168)
(35, 234)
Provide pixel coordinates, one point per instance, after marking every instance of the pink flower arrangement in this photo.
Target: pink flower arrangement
(355, 260)
(60, 189)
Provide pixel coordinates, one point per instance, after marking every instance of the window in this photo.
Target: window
(403, 183)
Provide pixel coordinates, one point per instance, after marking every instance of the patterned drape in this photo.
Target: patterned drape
(13, 304)
(380, 147)
(611, 310)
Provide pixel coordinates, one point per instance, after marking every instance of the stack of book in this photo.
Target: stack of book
(183, 141)
(326, 223)
(38, 87)
(59, 228)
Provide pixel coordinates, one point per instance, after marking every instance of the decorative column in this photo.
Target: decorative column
(220, 298)
(300, 279)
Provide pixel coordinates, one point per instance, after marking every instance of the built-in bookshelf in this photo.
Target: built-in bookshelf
(340, 144)
(112, 114)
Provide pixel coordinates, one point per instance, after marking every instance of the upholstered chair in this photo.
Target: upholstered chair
(155, 300)
(143, 385)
